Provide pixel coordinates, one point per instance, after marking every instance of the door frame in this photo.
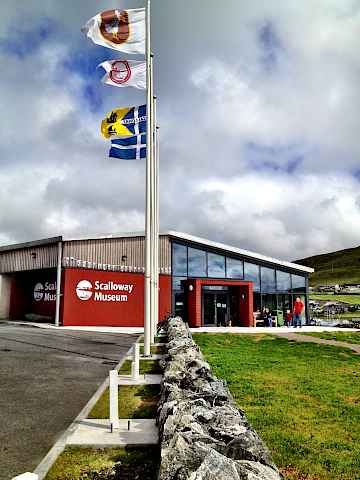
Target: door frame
(214, 293)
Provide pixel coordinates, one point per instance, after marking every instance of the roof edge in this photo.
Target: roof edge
(240, 251)
(32, 244)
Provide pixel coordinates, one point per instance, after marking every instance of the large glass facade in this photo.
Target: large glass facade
(274, 289)
(216, 265)
(234, 268)
(252, 274)
(179, 259)
(196, 262)
(283, 281)
(268, 282)
(298, 284)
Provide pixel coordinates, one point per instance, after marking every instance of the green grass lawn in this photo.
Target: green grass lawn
(348, 337)
(81, 463)
(155, 349)
(136, 401)
(329, 297)
(146, 366)
(303, 399)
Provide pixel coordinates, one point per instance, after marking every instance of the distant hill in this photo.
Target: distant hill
(334, 268)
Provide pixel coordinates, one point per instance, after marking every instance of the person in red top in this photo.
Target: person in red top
(288, 318)
(297, 311)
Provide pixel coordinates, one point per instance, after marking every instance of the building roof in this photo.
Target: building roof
(173, 234)
(32, 244)
(238, 251)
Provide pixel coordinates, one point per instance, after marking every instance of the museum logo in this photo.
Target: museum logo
(45, 292)
(104, 291)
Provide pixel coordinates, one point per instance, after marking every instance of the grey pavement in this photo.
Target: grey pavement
(91, 432)
(46, 378)
(297, 337)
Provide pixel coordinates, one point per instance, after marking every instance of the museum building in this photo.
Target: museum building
(99, 281)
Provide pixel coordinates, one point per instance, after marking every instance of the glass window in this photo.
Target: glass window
(178, 284)
(216, 265)
(268, 279)
(196, 263)
(298, 283)
(252, 274)
(269, 301)
(179, 308)
(179, 259)
(283, 283)
(234, 268)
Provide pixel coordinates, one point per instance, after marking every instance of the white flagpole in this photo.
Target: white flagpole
(157, 225)
(149, 167)
(154, 295)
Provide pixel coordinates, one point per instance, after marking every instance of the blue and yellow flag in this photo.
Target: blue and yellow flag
(125, 122)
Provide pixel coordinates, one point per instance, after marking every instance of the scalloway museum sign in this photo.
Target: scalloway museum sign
(45, 292)
(104, 291)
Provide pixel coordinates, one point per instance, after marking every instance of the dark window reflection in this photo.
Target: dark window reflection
(298, 283)
(179, 259)
(234, 268)
(283, 282)
(252, 274)
(267, 279)
(196, 263)
(178, 284)
(216, 265)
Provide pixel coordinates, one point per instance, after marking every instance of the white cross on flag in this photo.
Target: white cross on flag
(125, 73)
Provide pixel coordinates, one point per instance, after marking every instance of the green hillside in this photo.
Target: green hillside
(334, 268)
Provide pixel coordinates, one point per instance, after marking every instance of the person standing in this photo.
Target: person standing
(297, 312)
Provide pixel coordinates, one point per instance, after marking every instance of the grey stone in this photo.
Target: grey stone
(204, 436)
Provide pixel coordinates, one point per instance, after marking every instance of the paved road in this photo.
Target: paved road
(46, 378)
(306, 338)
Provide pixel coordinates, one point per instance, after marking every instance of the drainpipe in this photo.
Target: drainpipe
(58, 286)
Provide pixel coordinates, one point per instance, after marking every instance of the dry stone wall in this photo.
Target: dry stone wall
(203, 435)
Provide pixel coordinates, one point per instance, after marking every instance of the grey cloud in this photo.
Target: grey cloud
(215, 97)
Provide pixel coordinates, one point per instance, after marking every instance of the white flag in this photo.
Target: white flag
(124, 73)
(122, 30)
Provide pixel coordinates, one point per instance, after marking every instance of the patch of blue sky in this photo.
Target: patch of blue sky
(270, 45)
(356, 174)
(21, 43)
(286, 158)
(85, 60)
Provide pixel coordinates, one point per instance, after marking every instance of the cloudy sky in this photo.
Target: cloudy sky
(259, 112)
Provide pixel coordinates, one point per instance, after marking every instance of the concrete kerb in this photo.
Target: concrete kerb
(47, 462)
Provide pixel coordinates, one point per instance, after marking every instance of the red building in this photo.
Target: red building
(100, 281)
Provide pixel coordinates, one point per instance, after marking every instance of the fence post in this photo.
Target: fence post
(135, 363)
(114, 398)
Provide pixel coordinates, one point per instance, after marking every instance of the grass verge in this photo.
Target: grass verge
(154, 349)
(146, 366)
(135, 401)
(303, 399)
(330, 297)
(86, 463)
(348, 337)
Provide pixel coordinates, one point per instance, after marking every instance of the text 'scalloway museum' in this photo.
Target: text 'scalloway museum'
(100, 281)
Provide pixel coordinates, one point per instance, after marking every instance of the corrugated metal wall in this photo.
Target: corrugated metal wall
(96, 253)
(33, 258)
(108, 252)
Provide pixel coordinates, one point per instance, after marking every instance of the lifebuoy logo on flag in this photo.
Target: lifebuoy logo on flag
(84, 290)
(38, 292)
(122, 30)
(114, 26)
(124, 73)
